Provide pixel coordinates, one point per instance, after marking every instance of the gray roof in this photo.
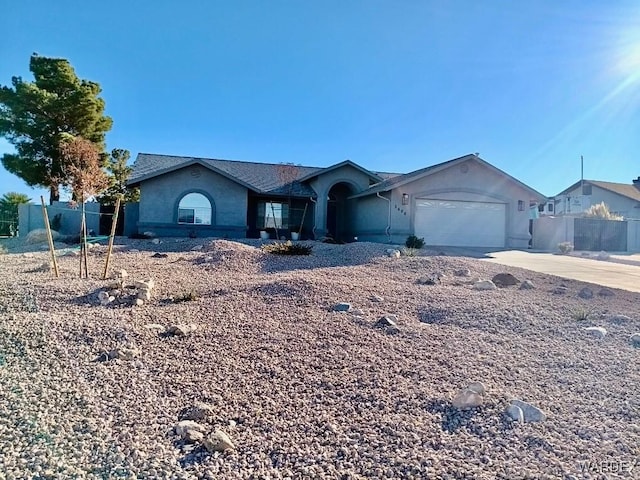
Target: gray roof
(623, 189)
(399, 180)
(264, 178)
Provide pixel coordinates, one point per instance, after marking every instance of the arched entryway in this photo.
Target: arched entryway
(340, 212)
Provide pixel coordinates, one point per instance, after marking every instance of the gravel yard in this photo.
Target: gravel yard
(301, 390)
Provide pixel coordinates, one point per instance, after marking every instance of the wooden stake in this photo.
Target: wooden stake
(45, 217)
(114, 223)
(86, 249)
(81, 242)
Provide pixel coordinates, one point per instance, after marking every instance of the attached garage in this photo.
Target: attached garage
(460, 223)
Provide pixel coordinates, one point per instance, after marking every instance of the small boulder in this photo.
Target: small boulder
(635, 340)
(388, 323)
(156, 241)
(484, 285)
(138, 302)
(477, 387)
(603, 256)
(190, 431)
(530, 413)
(586, 293)
(217, 441)
(516, 413)
(342, 307)
(181, 330)
(432, 280)
(144, 294)
(377, 298)
(393, 253)
(605, 292)
(159, 255)
(560, 290)
(104, 297)
(463, 272)
(527, 285)
(505, 280)
(599, 332)
(466, 399)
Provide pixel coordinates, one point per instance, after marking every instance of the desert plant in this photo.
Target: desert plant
(288, 248)
(414, 242)
(185, 297)
(409, 252)
(565, 247)
(601, 210)
(3, 250)
(582, 314)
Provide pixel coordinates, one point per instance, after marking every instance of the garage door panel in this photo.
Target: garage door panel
(459, 223)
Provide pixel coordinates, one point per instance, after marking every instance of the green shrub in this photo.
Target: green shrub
(414, 242)
(288, 248)
(565, 247)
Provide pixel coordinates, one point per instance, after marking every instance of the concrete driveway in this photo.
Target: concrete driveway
(608, 274)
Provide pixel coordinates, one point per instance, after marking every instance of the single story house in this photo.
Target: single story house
(622, 198)
(462, 202)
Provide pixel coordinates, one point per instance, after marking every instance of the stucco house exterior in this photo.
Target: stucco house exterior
(621, 198)
(462, 202)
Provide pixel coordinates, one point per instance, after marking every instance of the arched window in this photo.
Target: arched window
(194, 208)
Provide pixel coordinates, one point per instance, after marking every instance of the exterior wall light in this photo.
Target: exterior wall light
(405, 199)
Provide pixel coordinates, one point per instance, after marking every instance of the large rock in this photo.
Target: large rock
(39, 235)
(462, 272)
(530, 413)
(527, 285)
(484, 285)
(466, 399)
(217, 441)
(342, 307)
(515, 412)
(599, 332)
(181, 330)
(635, 340)
(190, 431)
(605, 292)
(586, 293)
(393, 253)
(388, 323)
(505, 280)
(470, 397)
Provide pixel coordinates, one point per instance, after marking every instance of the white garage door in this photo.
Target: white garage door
(461, 224)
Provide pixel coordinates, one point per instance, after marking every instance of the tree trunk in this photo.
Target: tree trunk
(54, 194)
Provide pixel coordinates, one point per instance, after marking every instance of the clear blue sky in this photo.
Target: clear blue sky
(393, 85)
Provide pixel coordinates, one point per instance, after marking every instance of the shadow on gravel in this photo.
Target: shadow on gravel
(194, 454)
(474, 421)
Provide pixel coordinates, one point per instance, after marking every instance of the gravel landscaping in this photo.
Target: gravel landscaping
(281, 382)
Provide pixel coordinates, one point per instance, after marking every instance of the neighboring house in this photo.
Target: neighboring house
(461, 202)
(622, 199)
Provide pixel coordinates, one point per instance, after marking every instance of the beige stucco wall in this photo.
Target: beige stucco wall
(469, 180)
